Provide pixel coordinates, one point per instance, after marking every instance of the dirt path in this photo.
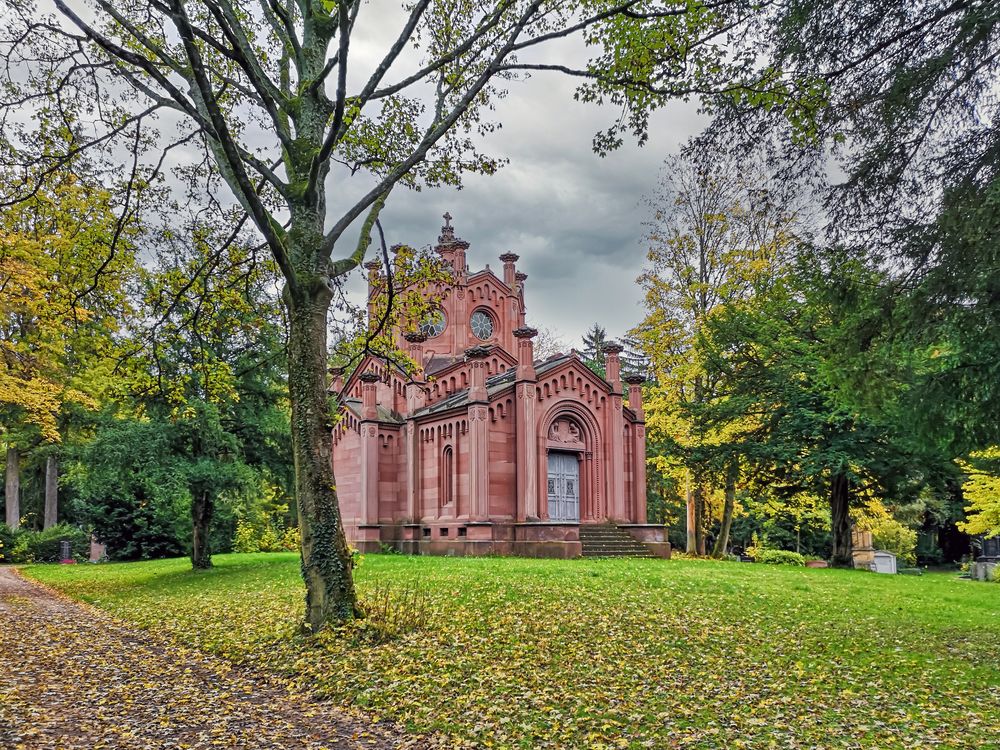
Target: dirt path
(72, 677)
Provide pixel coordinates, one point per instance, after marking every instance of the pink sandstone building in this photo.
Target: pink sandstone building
(487, 450)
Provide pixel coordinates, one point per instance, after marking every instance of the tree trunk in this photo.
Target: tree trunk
(840, 520)
(699, 518)
(51, 517)
(202, 510)
(732, 474)
(692, 543)
(326, 559)
(13, 488)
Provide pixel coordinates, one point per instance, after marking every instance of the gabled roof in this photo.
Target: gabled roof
(363, 365)
(489, 272)
(498, 383)
(382, 414)
(439, 364)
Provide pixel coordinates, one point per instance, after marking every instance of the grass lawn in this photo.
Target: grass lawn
(609, 653)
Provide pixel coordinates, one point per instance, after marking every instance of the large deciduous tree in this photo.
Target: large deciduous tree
(278, 96)
(66, 260)
(904, 104)
(717, 233)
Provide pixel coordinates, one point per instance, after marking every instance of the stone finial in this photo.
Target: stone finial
(336, 379)
(368, 377)
(520, 276)
(525, 332)
(373, 265)
(447, 237)
(510, 257)
(415, 337)
(612, 347)
(634, 379)
(478, 352)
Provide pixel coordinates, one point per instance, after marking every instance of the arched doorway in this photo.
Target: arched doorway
(567, 451)
(563, 487)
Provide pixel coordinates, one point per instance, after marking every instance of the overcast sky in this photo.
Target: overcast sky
(574, 218)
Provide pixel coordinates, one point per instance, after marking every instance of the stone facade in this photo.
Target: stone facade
(486, 450)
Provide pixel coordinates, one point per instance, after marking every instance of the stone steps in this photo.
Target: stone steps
(607, 540)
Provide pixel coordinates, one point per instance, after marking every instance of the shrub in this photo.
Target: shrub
(8, 538)
(892, 536)
(44, 546)
(291, 540)
(245, 539)
(779, 557)
(264, 537)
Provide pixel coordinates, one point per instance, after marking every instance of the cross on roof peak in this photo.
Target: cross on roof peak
(447, 219)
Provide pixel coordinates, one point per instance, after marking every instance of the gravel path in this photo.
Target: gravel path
(72, 677)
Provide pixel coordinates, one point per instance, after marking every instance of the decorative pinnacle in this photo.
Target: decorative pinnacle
(612, 347)
(478, 352)
(368, 377)
(373, 265)
(510, 257)
(525, 332)
(634, 379)
(448, 237)
(415, 337)
(520, 276)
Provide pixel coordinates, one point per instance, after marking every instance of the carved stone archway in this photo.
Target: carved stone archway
(569, 428)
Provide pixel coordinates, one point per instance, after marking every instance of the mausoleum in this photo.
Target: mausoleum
(486, 450)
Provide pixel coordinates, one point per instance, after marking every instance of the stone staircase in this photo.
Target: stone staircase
(607, 540)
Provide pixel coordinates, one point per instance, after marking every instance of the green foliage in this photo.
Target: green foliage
(7, 538)
(45, 546)
(892, 536)
(63, 294)
(777, 557)
(685, 641)
(129, 486)
(251, 538)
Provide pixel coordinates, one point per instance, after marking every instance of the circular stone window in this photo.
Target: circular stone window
(482, 324)
(433, 325)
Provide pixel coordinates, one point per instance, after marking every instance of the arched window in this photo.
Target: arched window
(447, 476)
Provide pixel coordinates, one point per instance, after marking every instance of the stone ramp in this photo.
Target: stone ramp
(73, 677)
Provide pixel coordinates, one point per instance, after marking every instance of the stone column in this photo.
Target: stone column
(416, 341)
(526, 449)
(369, 449)
(638, 447)
(336, 380)
(616, 437)
(374, 268)
(520, 278)
(512, 306)
(479, 436)
(415, 399)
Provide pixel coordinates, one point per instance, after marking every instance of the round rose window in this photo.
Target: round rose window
(433, 325)
(482, 324)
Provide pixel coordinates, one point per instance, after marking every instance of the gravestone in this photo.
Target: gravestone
(66, 553)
